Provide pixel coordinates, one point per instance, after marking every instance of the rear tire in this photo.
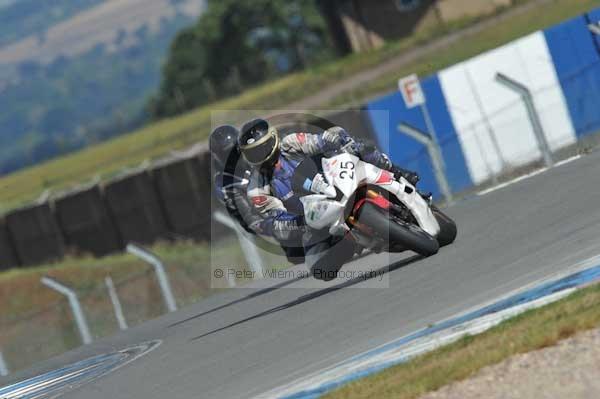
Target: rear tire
(448, 229)
(326, 268)
(409, 236)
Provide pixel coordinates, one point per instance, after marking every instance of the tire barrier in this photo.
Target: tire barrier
(136, 208)
(182, 184)
(8, 257)
(86, 223)
(35, 234)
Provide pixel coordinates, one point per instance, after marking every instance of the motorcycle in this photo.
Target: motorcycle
(373, 208)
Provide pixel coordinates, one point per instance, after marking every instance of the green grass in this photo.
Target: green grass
(157, 139)
(21, 292)
(471, 46)
(28, 307)
(188, 264)
(532, 330)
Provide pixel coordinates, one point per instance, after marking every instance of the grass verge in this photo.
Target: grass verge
(535, 329)
(159, 138)
(520, 25)
(188, 265)
(22, 294)
(28, 307)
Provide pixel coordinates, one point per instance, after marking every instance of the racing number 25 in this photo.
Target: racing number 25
(347, 170)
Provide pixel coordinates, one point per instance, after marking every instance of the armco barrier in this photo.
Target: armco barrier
(8, 256)
(135, 206)
(35, 234)
(183, 185)
(86, 222)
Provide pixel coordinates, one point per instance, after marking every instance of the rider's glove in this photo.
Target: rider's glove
(336, 137)
(320, 186)
(255, 226)
(353, 147)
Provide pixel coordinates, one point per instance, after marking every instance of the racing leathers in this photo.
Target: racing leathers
(272, 191)
(231, 188)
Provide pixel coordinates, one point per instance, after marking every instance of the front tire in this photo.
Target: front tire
(448, 229)
(397, 232)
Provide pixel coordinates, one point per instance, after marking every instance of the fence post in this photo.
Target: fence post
(248, 247)
(80, 320)
(159, 270)
(434, 153)
(3, 367)
(114, 299)
(534, 117)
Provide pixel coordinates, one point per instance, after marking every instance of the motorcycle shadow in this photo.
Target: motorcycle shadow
(317, 294)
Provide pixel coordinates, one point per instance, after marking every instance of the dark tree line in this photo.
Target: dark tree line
(236, 44)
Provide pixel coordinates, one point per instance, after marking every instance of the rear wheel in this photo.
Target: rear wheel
(448, 230)
(407, 235)
(331, 258)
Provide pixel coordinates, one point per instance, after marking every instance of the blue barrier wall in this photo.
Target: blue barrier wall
(411, 154)
(576, 56)
(482, 127)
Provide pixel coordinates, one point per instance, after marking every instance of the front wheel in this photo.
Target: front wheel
(398, 233)
(448, 230)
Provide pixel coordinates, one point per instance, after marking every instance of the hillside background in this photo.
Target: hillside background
(73, 73)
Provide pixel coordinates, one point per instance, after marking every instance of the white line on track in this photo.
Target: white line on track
(527, 176)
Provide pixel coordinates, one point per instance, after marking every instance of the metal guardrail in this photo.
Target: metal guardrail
(80, 320)
(525, 94)
(246, 242)
(116, 303)
(434, 153)
(4, 371)
(159, 270)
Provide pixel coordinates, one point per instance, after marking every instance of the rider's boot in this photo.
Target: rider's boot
(412, 177)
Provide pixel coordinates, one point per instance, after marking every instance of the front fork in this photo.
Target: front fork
(362, 233)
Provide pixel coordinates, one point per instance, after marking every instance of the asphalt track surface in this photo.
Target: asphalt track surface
(247, 341)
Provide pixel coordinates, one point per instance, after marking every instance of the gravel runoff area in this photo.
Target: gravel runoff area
(569, 370)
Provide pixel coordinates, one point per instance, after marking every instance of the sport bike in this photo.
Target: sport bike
(370, 206)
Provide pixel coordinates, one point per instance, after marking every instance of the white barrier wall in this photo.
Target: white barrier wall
(491, 120)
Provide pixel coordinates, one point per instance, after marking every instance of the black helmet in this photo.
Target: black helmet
(259, 143)
(223, 145)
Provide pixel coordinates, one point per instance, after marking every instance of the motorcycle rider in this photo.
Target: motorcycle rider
(271, 188)
(230, 181)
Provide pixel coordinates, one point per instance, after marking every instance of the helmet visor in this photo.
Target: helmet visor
(258, 154)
